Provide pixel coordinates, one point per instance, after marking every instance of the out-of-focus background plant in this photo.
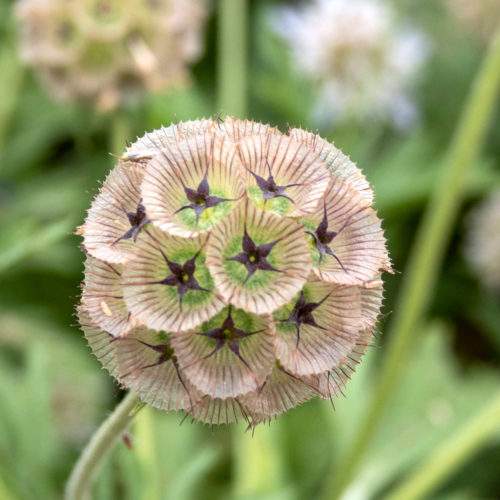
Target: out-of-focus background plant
(389, 84)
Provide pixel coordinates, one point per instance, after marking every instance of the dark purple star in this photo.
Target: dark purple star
(200, 198)
(137, 221)
(322, 238)
(302, 314)
(254, 257)
(269, 187)
(228, 334)
(182, 276)
(166, 353)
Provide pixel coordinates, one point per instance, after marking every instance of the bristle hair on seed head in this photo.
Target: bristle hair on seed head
(232, 272)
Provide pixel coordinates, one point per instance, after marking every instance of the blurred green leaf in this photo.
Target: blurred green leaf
(406, 175)
(433, 400)
(27, 239)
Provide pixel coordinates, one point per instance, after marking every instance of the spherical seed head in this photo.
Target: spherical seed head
(361, 61)
(233, 271)
(108, 52)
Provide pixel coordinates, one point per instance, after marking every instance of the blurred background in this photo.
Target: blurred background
(386, 81)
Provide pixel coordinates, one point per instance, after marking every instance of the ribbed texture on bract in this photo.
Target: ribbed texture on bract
(109, 51)
(232, 271)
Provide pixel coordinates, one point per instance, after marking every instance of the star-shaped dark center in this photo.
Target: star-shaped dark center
(322, 238)
(200, 198)
(254, 257)
(302, 314)
(269, 188)
(182, 276)
(137, 221)
(228, 334)
(166, 353)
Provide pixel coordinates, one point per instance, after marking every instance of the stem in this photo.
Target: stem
(451, 454)
(232, 57)
(258, 462)
(146, 437)
(100, 445)
(426, 256)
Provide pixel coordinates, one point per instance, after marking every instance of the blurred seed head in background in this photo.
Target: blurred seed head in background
(109, 52)
(232, 271)
(479, 16)
(483, 241)
(362, 59)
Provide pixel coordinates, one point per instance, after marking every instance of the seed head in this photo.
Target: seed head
(480, 17)
(232, 271)
(110, 51)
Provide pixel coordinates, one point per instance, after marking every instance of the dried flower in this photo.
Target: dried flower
(109, 51)
(483, 241)
(361, 60)
(232, 271)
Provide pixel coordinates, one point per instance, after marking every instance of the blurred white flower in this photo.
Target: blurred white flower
(483, 241)
(361, 59)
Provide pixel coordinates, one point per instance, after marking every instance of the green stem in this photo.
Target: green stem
(426, 256)
(453, 453)
(146, 437)
(101, 444)
(232, 57)
(258, 462)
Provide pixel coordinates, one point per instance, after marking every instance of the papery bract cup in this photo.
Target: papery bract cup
(233, 271)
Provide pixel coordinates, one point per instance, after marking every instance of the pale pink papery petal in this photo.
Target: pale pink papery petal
(219, 411)
(184, 164)
(372, 296)
(332, 382)
(335, 161)
(359, 247)
(291, 164)
(157, 306)
(99, 341)
(281, 391)
(223, 373)
(323, 346)
(156, 380)
(147, 146)
(236, 129)
(102, 296)
(107, 219)
(265, 290)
